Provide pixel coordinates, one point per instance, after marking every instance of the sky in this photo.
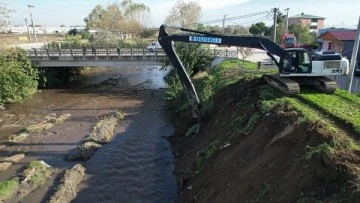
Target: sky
(338, 13)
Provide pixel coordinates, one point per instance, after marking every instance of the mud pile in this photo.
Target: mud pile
(242, 154)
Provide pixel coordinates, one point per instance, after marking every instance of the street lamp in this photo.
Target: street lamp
(287, 20)
(32, 21)
(299, 29)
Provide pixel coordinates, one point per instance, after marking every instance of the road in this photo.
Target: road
(30, 45)
(342, 80)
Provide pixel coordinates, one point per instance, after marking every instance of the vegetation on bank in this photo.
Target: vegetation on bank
(18, 79)
(335, 115)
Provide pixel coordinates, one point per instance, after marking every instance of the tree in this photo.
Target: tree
(245, 52)
(258, 28)
(215, 29)
(125, 16)
(228, 30)
(184, 14)
(302, 33)
(138, 11)
(4, 14)
(146, 33)
(201, 27)
(240, 30)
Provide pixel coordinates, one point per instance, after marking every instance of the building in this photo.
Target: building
(38, 30)
(341, 41)
(315, 22)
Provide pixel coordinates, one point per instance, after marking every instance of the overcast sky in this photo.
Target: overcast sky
(72, 12)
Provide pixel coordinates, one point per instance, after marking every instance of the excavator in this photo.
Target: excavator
(296, 67)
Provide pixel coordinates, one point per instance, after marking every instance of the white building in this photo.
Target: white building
(38, 30)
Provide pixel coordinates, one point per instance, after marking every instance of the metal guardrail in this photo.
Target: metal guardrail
(108, 54)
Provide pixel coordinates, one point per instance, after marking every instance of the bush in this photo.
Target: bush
(18, 79)
(194, 59)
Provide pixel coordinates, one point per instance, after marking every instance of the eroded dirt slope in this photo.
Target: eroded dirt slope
(245, 154)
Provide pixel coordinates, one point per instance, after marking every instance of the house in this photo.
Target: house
(315, 22)
(341, 41)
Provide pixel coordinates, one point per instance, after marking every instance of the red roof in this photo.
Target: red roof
(341, 35)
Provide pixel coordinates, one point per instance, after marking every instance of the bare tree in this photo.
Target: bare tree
(4, 14)
(125, 16)
(184, 14)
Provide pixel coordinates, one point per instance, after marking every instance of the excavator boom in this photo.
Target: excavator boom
(295, 65)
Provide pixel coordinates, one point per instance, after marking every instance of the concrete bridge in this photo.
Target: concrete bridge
(105, 57)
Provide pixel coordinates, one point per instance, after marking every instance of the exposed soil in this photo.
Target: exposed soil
(102, 133)
(67, 189)
(267, 165)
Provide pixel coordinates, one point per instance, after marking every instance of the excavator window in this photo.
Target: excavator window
(296, 61)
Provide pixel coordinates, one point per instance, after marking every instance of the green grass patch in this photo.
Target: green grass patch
(334, 106)
(193, 130)
(206, 154)
(307, 114)
(37, 173)
(346, 95)
(325, 148)
(246, 130)
(7, 187)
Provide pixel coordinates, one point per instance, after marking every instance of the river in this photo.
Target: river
(136, 166)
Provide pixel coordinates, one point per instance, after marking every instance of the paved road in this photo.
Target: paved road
(342, 80)
(30, 45)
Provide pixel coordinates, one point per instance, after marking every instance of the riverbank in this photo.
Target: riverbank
(257, 145)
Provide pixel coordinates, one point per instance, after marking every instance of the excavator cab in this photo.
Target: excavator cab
(295, 61)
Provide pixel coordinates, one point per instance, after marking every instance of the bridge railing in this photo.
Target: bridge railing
(106, 54)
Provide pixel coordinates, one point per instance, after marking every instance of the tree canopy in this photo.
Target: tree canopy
(126, 16)
(258, 28)
(4, 13)
(184, 14)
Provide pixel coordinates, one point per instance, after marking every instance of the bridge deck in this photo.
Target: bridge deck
(104, 57)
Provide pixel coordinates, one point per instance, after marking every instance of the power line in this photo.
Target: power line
(233, 18)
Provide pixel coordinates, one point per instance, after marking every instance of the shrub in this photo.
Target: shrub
(18, 79)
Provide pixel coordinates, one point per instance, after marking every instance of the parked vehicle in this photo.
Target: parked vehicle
(357, 69)
(153, 46)
(288, 41)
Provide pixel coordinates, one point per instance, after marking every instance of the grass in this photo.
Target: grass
(193, 130)
(7, 187)
(38, 173)
(207, 153)
(350, 97)
(335, 106)
(325, 148)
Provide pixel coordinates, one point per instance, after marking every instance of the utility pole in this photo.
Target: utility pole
(275, 22)
(353, 59)
(27, 28)
(223, 25)
(287, 20)
(32, 22)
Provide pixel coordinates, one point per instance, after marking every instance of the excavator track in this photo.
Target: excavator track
(285, 85)
(324, 84)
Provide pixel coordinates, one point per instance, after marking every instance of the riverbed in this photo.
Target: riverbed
(136, 166)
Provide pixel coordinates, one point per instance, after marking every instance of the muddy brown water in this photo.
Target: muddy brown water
(136, 166)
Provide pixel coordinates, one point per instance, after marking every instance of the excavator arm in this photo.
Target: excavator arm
(166, 41)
